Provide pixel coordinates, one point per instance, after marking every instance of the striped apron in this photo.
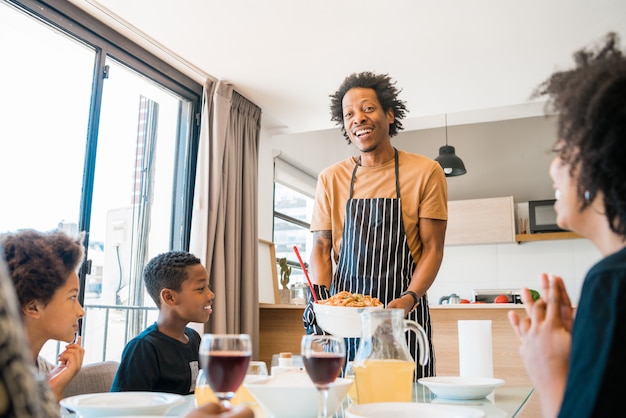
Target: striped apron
(375, 259)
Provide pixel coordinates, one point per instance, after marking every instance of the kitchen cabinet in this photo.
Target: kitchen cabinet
(481, 221)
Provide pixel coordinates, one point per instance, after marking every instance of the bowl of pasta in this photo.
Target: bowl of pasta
(340, 314)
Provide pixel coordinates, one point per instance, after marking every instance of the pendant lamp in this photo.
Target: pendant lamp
(451, 164)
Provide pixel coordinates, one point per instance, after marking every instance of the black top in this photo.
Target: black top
(152, 361)
(596, 384)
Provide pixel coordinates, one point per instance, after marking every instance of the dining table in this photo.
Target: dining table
(506, 401)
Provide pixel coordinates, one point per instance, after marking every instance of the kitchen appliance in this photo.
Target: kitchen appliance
(542, 216)
(450, 299)
(488, 295)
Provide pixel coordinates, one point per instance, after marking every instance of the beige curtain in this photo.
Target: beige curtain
(224, 224)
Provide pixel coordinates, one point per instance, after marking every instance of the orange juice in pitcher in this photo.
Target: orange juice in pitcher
(383, 366)
(384, 381)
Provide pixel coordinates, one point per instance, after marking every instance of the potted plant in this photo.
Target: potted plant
(285, 272)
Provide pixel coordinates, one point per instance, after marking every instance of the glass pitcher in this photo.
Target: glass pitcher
(383, 366)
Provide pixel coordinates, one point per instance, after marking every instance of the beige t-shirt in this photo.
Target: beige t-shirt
(423, 193)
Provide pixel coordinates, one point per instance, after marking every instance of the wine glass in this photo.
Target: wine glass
(323, 356)
(224, 359)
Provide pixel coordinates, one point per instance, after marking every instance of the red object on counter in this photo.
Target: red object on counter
(501, 299)
(306, 273)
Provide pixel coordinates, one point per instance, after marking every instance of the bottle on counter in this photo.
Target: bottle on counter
(285, 365)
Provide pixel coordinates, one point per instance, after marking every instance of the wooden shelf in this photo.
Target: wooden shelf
(546, 236)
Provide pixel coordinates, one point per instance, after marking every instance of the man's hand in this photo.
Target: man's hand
(403, 302)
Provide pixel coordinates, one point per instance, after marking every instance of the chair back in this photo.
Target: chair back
(92, 378)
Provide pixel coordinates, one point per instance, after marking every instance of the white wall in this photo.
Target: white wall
(504, 158)
(513, 266)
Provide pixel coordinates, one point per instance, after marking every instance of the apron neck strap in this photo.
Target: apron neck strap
(356, 166)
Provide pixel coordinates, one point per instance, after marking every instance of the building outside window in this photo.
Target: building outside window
(294, 191)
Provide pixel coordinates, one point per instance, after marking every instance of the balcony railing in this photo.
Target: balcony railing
(107, 329)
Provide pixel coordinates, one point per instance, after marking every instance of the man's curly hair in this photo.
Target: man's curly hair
(167, 271)
(387, 94)
(591, 104)
(40, 262)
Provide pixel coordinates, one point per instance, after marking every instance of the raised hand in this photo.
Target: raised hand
(68, 365)
(545, 336)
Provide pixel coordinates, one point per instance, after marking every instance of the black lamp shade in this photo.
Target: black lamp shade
(451, 164)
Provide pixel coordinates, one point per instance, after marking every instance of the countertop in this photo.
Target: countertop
(507, 306)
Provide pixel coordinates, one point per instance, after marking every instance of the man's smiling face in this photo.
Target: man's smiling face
(364, 119)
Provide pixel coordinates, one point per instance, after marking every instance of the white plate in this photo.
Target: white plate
(457, 387)
(107, 404)
(411, 410)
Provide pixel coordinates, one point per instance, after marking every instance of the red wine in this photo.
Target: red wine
(225, 370)
(323, 368)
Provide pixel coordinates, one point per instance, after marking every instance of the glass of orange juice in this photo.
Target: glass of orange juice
(203, 393)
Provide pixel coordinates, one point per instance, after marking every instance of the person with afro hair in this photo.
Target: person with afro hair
(575, 358)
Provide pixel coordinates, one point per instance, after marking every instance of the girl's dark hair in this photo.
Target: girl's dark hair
(40, 262)
(386, 92)
(167, 271)
(591, 103)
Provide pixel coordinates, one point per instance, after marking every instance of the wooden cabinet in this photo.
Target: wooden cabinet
(546, 236)
(481, 221)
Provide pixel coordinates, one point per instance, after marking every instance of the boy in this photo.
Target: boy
(164, 357)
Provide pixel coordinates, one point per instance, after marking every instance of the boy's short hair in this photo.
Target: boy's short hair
(167, 271)
(40, 262)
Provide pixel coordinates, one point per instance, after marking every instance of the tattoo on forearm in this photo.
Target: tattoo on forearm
(322, 235)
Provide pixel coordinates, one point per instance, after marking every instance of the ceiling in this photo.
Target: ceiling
(472, 60)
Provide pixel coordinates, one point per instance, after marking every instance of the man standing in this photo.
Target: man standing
(380, 217)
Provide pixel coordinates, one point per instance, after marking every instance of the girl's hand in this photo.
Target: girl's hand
(69, 363)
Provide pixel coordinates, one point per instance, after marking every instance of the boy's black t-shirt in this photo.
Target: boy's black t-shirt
(154, 362)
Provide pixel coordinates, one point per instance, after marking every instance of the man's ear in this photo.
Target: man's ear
(31, 309)
(391, 117)
(168, 296)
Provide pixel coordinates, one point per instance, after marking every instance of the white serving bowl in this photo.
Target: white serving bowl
(341, 321)
(111, 404)
(457, 387)
(293, 395)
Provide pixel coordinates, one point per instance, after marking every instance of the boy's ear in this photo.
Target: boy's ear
(31, 309)
(168, 296)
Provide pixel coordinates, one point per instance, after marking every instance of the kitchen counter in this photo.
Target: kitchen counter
(281, 330)
(507, 306)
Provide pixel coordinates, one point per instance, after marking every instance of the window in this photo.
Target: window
(292, 217)
(95, 139)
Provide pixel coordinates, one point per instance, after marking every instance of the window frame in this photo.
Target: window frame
(79, 25)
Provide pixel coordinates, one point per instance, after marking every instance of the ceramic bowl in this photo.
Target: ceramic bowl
(341, 321)
(108, 404)
(457, 387)
(293, 395)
